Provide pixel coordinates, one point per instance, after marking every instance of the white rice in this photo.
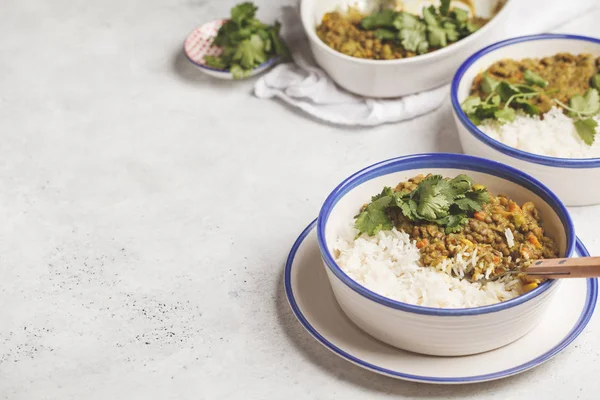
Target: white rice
(388, 264)
(553, 136)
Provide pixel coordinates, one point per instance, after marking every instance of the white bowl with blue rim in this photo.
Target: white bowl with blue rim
(572, 179)
(198, 44)
(437, 331)
(394, 78)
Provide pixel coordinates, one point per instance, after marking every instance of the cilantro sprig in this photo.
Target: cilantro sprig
(446, 202)
(583, 109)
(505, 98)
(246, 42)
(438, 27)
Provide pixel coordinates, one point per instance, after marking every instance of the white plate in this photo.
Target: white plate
(312, 301)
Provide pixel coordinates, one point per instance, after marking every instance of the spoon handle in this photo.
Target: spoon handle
(556, 268)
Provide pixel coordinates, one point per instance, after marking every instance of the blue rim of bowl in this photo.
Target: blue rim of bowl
(584, 318)
(501, 147)
(451, 161)
(226, 71)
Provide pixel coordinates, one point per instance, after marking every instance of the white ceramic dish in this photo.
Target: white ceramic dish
(394, 78)
(565, 176)
(435, 331)
(313, 303)
(199, 44)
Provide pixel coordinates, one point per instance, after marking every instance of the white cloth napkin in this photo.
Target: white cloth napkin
(305, 86)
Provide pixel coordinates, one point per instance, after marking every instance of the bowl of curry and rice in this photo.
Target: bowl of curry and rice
(533, 102)
(392, 48)
(429, 253)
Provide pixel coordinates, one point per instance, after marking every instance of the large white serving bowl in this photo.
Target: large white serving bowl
(436, 331)
(573, 180)
(394, 78)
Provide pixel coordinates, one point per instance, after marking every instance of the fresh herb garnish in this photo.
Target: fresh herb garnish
(517, 96)
(583, 108)
(586, 105)
(488, 84)
(246, 42)
(383, 19)
(504, 98)
(586, 128)
(445, 7)
(438, 27)
(446, 202)
(595, 82)
(534, 79)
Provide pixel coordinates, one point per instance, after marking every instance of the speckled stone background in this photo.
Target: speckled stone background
(146, 212)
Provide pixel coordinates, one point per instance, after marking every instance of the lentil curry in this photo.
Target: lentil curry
(390, 34)
(485, 231)
(567, 75)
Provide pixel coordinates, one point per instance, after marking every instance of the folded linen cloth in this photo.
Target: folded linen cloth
(304, 85)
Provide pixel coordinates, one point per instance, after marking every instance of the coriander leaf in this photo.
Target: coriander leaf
(488, 84)
(595, 82)
(470, 104)
(372, 221)
(485, 111)
(238, 72)
(461, 184)
(384, 19)
(534, 79)
(529, 108)
(467, 204)
(386, 192)
(446, 202)
(402, 201)
(243, 11)
(451, 32)
(586, 128)
(505, 115)
(215, 62)
(459, 15)
(435, 196)
(475, 119)
(471, 27)
(480, 195)
(445, 7)
(255, 24)
(413, 208)
(437, 36)
(453, 223)
(430, 16)
(223, 35)
(495, 100)
(473, 200)
(240, 35)
(250, 53)
(506, 90)
(407, 20)
(374, 218)
(414, 40)
(433, 207)
(279, 45)
(246, 42)
(384, 34)
(586, 105)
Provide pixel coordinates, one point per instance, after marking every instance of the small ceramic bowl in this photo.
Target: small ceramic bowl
(437, 331)
(199, 44)
(565, 176)
(394, 78)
